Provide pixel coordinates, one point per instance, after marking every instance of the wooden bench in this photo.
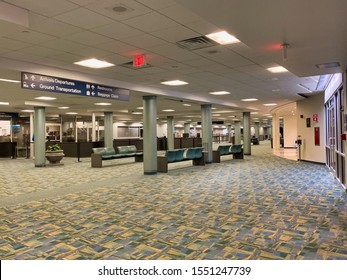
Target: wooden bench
(108, 153)
(196, 155)
(223, 150)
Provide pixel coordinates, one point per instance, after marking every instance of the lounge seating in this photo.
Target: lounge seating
(222, 150)
(108, 153)
(196, 155)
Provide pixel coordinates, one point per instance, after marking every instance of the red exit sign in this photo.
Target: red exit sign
(139, 61)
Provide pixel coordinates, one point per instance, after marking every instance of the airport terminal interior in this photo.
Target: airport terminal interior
(173, 130)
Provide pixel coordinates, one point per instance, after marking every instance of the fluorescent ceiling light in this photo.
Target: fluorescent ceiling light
(62, 108)
(174, 83)
(103, 104)
(216, 115)
(223, 38)
(168, 110)
(140, 108)
(94, 63)
(45, 98)
(223, 92)
(249, 99)
(270, 104)
(71, 113)
(254, 113)
(186, 105)
(275, 90)
(27, 111)
(137, 113)
(4, 103)
(277, 69)
(9, 81)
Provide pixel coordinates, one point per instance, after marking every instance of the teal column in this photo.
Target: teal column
(238, 133)
(150, 135)
(170, 133)
(256, 129)
(40, 136)
(247, 133)
(108, 129)
(186, 127)
(206, 127)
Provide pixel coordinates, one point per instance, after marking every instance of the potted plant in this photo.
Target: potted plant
(54, 154)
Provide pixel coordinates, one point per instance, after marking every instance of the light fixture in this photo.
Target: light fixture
(9, 81)
(45, 98)
(94, 63)
(63, 108)
(4, 103)
(186, 105)
(140, 108)
(174, 83)
(277, 69)
(216, 115)
(103, 104)
(168, 110)
(223, 38)
(27, 111)
(254, 113)
(276, 90)
(328, 65)
(223, 92)
(270, 104)
(249, 99)
(137, 113)
(71, 113)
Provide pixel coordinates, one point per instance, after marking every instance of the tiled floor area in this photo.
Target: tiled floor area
(261, 207)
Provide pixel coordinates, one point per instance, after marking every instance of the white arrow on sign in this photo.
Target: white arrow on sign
(32, 85)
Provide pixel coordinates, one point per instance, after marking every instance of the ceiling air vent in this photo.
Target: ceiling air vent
(130, 65)
(196, 43)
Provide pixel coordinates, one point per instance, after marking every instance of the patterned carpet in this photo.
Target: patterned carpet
(262, 207)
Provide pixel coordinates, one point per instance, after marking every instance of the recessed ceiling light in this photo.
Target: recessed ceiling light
(223, 92)
(62, 108)
(140, 108)
(186, 105)
(45, 98)
(277, 69)
(328, 65)
(168, 110)
(137, 113)
(223, 38)
(214, 108)
(9, 81)
(270, 104)
(27, 111)
(71, 113)
(94, 63)
(275, 90)
(4, 103)
(103, 104)
(216, 115)
(249, 99)
(174, 83)
(254, 113)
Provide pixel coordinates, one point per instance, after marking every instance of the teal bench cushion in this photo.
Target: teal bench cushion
(171, 155)
(198, 152)
(179, 155)
(235, 149)
(123, 150)
(189, 153)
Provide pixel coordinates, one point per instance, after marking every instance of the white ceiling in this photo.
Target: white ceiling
(62, 32)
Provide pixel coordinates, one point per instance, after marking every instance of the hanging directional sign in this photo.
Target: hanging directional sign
(61, 85)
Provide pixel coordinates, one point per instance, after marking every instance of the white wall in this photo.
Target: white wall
(162, 130)
(289, 130)
(308, 107)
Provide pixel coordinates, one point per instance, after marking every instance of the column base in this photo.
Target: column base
(150, 172)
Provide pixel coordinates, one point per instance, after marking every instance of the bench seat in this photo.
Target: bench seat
(109, 153)
(222, 150)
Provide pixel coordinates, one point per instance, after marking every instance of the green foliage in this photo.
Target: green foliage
(55, 147)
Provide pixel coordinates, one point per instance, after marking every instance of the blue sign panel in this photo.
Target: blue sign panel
(60, 85)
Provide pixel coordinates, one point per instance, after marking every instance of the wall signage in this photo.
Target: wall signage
(61, 85)
(315, 117)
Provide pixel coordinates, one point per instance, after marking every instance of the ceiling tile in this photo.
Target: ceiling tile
(157, 4)
(12, 44)
(91, 52)
(175, 34)
(63, 45)
(88, 38)
(50, 7)
(144, 41)
(40, 51)
(179, 13)
(116, 46)
(117, 30)
(30, 37)
(151, 22)
(174, 52)
(83, 18)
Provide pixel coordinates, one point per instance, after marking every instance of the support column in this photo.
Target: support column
(256, 129)
(108, 129)
(206, 127)
(247, 133)
(93, 128)
(237, 133)
(170, 133)
(40, 137)
(275, 132)
(229, 133)
(150, 135)
(186, 128)
(31, 140)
